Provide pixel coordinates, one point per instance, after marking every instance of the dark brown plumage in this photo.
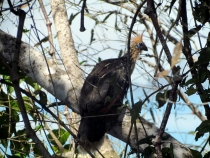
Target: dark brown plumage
(103, 92)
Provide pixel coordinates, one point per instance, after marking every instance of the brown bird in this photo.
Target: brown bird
(103, 92)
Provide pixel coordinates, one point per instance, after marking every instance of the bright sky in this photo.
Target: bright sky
(181, 120)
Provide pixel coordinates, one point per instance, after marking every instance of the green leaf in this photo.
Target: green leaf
(56, 149)
(20, 144)
(192, 132)
(43, 40)
(15, 106)
(25, 30)
(193, 31)
(38, 127)
(82, 62)
(120, 53)
(148, 151)
(203, 128)
(5, 99)
(10, 89)
(33, 84)
(60, 134)
(204, 56)
(195, 153)
(22, 132)
(202, 76)
(152, 114)
(191, 90)
(136, 110)
(171, 151)
(92, 36)
(99, 59)
(161, 99)
(72, 16)
(191, 81)
(107, 16)
(42, 95)
(146, 96)
(198, 135)
(15, 119)
(13, 156)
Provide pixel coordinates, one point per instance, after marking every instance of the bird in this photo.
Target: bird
(103, 92)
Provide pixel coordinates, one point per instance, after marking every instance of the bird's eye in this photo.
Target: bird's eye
(141, 46)
(138, 46)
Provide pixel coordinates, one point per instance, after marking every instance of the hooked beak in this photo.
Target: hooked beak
(143, 47)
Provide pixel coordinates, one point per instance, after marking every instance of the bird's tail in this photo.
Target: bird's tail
(91, 129)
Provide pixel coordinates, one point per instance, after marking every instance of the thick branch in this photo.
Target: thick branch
(67, 50)
(120, 130)
(31, 66)
(37, 70)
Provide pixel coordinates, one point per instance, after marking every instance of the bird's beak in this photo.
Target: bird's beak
(144, 47)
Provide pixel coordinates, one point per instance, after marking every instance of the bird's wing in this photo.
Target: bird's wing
(106, 82)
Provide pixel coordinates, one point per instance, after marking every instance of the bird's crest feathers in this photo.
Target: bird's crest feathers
(134, 44)
(137, 39)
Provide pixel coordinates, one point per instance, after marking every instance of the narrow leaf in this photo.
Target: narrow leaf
(194, 31)
(106, 17)
(136, 110)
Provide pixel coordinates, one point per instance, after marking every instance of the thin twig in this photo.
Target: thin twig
(191, 106)
(129, 68)
(172, 97)
(16, 78)
(152, 14)
(168, 32)
(187, 52)
(199, 39)
(17, 6)
(48, 23)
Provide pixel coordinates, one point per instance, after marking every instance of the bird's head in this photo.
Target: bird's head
(137, 46)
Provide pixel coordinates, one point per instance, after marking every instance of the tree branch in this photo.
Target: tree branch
(28, 63)
(49, 24)
(16, 78)
(187, 52)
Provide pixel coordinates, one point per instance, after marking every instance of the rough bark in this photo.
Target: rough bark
(67, 50)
